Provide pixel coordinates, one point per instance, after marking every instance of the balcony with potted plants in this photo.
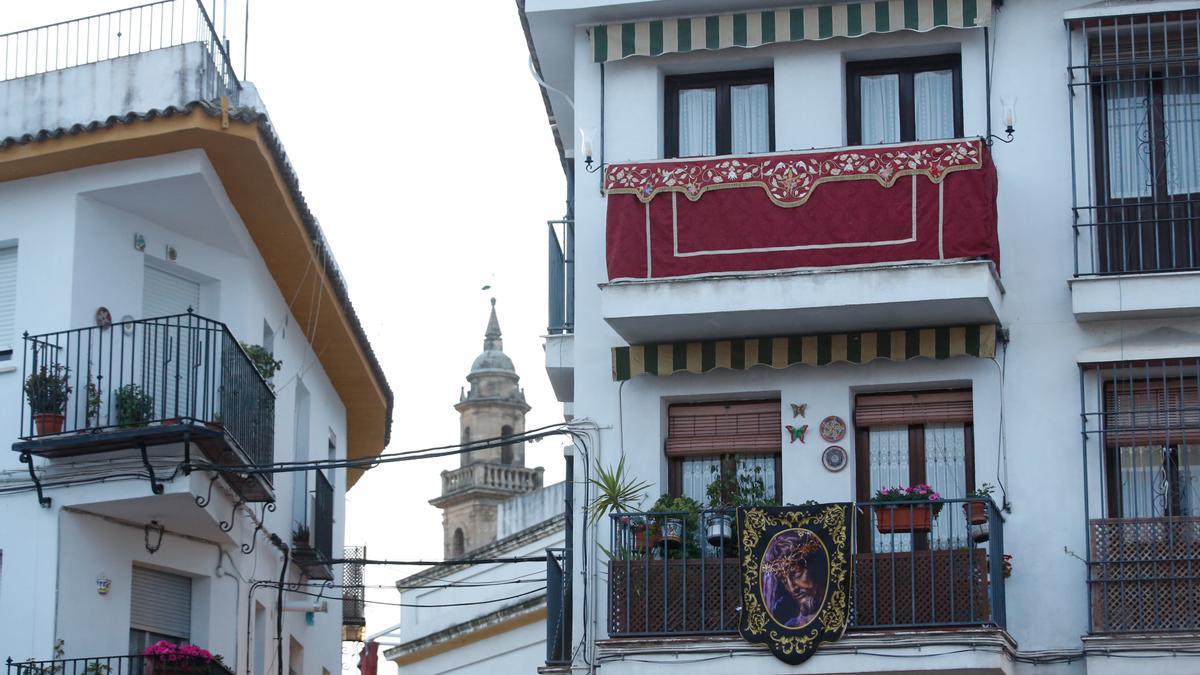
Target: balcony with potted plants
(175, 380)
(843, 239)
(161, 658)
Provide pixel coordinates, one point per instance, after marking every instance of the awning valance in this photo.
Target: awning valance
(615, 41)
(812, 350)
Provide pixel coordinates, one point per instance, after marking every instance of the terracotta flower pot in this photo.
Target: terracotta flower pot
(49, 423)
(976, 512)
(904, 519)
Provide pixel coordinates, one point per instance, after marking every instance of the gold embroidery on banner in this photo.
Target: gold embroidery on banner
(790, 180)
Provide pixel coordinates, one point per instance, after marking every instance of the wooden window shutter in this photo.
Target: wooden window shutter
(872, 410)
(708, 429)
(1153, 411)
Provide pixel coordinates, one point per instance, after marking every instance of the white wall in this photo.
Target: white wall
(74, 232)
(1038, 450)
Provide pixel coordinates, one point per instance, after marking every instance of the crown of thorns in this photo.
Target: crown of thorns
(792, 558)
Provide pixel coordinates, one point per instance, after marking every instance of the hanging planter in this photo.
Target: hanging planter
(907, 510)
(672, 530)
(977, 513)
(720, 530)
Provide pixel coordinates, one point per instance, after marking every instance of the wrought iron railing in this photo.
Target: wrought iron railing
(678, 573)
(117, 665)
(1135, 129)
(323, 516)
(124, 32)
(558, 609)
(181, 369)
(353, 594)
(562, 276)
(1142, 573)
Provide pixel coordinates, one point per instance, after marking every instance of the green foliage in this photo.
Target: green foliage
(263, 360)
(747, 489)
(134, 406)
(47, 389)
(92, 403)
(982, 492)
(687, 510)
(616, 491)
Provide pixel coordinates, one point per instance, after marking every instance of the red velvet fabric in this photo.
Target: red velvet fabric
(851, 219)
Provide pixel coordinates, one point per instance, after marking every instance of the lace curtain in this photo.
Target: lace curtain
(749, 108)
(933, 98)
(697, 122)
(879, 96)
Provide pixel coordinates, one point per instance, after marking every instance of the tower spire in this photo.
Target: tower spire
(491, 338)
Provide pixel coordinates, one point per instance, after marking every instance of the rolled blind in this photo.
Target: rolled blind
(912, 408)
(8, 297)
(1128, 41)
(1159, 411)
(165, 294)
(708, 429)
(161, 603)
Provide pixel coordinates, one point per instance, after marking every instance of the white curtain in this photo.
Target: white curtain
(946, 472)
(762, 466)
(1128, 147)
(750, 110)
(1146, 491)
(697, 474)
(697, 122)
(933, 94)
(889, 468)
(1181, 116)
(880, 100)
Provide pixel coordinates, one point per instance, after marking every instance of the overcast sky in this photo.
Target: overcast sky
(423, 148)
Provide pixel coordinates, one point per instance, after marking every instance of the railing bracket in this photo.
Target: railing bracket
(155, 486)
(227, 526)
(207, 498)
(37, 484)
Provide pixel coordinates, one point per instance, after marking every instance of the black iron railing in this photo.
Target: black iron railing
(323, 517)
(353, 594)
(117, 665)
(562, 276)
(558, 609)
(675, 573)
(123, 32)
(1135, 123)
(182, 369)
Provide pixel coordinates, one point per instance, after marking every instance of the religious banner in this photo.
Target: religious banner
(796, 572)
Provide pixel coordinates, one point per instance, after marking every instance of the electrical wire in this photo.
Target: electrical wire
(409, 604)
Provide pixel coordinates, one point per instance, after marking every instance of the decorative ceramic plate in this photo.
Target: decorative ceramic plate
(834, 458)
(833, 429)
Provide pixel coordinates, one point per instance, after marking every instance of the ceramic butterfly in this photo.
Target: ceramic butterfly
(797, 433)
(798, 409)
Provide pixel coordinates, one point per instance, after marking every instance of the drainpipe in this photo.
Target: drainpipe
(287, 554)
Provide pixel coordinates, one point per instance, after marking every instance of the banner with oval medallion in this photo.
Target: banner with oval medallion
(796, 572)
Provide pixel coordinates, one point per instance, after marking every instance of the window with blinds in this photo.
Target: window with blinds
(909, 438)
(707, 441)
(8, 301)
(161, 603)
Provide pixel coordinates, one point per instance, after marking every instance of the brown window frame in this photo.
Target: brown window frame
(676, 458)
(722, 82)
(935, 402)
(906, 69)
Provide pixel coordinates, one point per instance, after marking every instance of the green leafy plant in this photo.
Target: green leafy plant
(92, 403)
(915, 493)
(134, 406)
(687, 510)
(263, 360)
(616, 491)
(47, 389)
(982, 492)
(746, 488)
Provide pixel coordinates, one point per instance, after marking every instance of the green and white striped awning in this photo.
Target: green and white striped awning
(615, 41)
(812, 350)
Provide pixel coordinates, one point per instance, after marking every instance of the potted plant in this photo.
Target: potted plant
(165, 658)
(47, 391)
(616, 492)
(920, 504)
(92, 404)
(1006, 566)
(680, 518)
(746, 489)
(977, 512)
(134, 406)
(263, 360)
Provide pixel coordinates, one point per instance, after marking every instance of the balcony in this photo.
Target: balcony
(1139, 571)
(502, 479)
(312, 545)
(354, 618)
(941, 579)
(118, 665)
(851, 239)
(174, 380)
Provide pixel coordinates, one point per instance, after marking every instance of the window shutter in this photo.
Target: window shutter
(1158, 411)
(708, 429)
(161, 603)
(165, 294)
(877, 410)
(8, 297)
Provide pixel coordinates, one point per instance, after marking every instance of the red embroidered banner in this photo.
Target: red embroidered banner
(890, 204)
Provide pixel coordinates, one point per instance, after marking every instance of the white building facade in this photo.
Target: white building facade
(155, 241)
(801, 225)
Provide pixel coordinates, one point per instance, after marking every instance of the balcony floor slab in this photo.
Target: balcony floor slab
(807, 301)
(1136, 296)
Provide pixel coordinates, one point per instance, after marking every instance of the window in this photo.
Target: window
(160, 608)
(720, 114)
(1152, 443)
(300, 492)
(506, 450)
(8, 301)
(708, 441)
(1145, 91)
(904, 100)
(912, 438)
(459, 545)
